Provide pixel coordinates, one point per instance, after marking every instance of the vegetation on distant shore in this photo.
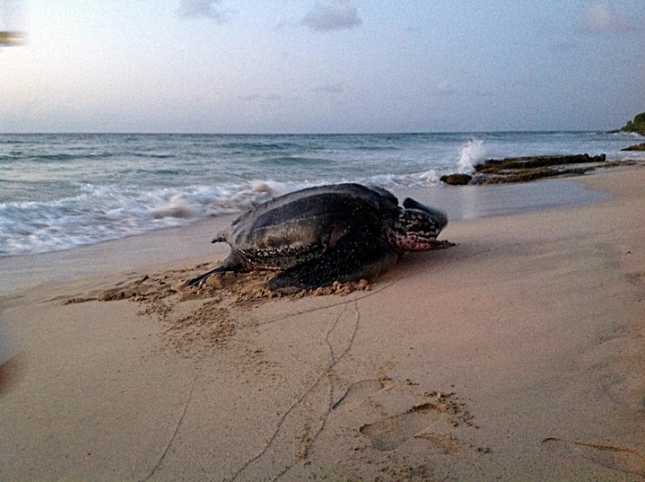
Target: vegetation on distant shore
(637, 125)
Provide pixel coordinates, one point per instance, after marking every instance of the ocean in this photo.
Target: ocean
(61, 191)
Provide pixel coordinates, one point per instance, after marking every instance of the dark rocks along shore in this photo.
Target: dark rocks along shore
(523, 169)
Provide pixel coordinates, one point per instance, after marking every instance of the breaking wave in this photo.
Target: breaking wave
(471, 153)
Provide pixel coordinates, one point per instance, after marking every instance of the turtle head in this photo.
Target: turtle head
(416, 227)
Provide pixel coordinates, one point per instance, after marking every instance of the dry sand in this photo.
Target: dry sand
(519, 354)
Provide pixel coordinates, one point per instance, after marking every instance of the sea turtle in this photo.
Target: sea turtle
(339, 232)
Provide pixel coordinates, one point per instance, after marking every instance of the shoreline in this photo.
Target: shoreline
(516, 354)
(193, 241)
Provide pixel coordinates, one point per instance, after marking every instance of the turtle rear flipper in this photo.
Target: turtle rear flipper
(355, 256)
(198, 279)
(231, 263)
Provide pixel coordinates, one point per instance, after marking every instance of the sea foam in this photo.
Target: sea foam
(103, 213)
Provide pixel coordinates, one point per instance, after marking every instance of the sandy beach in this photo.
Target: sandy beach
(518, 354)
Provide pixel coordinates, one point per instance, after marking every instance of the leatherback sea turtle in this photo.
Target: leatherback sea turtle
(340, 232)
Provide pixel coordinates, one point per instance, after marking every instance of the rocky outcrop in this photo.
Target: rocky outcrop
(456, 179)
(637, 147)
(523, 169)
(495, 166)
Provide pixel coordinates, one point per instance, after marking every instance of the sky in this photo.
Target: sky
(329, 66)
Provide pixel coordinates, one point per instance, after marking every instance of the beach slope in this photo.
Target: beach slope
(518, 354)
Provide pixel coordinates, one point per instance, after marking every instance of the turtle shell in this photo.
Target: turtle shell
(309, 220)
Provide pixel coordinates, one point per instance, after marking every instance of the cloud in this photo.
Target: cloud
(201, 8)
(599, 18)
(331, 88)
(332, 15)
(444, 88)
(262, 100)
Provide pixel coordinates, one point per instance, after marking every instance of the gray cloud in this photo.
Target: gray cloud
(445, 88)
(332, 15)
(202, 8)
(599, 18)
(331, 88)
(263, 100)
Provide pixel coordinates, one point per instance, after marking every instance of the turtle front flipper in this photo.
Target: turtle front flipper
(355, 256)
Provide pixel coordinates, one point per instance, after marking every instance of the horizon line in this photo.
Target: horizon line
(528, 131)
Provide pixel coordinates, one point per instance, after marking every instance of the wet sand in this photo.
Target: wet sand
(515, 355)
(460, 202)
